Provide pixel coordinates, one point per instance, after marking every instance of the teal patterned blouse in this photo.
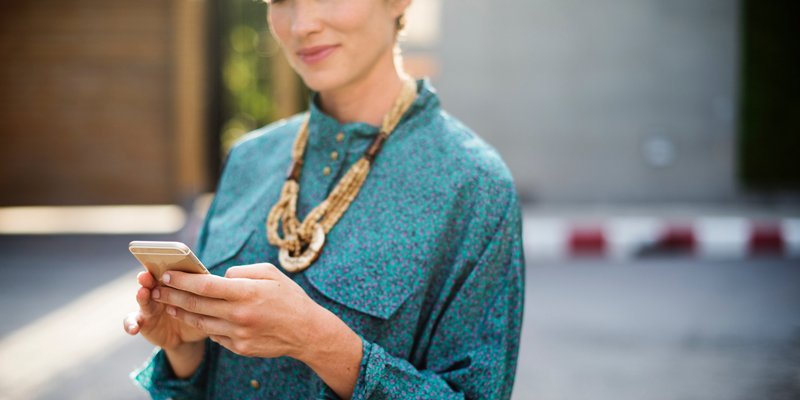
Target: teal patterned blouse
(426, 265)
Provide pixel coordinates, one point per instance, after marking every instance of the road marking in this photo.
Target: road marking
(88, 328)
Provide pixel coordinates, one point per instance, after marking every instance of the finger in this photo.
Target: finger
(192, 302)
(227, 343)
(131, 323)
(224, 341)
(209, 325)
(146, 279)
(207, 285)
(254, 271)
(144, 298)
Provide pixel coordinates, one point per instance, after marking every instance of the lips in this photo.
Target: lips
(312, 55)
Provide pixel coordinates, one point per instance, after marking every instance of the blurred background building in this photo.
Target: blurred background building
(613, 101)
(604, 101)
(103, 102)
(629, 101)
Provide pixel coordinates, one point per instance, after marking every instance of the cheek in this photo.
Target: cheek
(359, 19)
(280, 26)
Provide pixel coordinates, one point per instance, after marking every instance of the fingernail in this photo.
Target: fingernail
(131, 327)
(165, 278)
(171, 311)
(156, 293)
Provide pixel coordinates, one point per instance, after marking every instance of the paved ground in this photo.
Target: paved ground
(673, 329)
(661, 329)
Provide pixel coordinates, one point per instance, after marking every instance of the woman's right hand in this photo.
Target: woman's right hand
(152, 321)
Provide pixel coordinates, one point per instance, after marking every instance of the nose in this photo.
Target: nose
(305, 19)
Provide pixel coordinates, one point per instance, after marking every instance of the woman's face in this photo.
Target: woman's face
(334, 43)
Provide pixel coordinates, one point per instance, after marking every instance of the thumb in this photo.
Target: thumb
(254, 271)
(132, 323)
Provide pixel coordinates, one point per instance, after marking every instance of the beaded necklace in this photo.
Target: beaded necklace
(303, 241)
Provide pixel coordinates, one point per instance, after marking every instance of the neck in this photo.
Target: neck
(367, 99)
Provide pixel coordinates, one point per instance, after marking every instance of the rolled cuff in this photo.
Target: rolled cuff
(158, 379)
(371, 369)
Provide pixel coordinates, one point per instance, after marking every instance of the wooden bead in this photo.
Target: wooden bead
(295, 168)
(376, 146)
(303, 241)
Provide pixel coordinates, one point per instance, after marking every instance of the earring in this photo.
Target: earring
(401, 22)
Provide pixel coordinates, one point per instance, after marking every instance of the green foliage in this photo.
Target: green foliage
(770, 131)
(245, 67)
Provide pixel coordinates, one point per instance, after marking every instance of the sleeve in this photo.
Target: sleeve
(157, 378)
(473, 351)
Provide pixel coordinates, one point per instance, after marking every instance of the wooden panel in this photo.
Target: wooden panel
(85, 102)
(190, 101)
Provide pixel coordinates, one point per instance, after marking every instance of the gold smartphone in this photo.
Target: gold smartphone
(159, 257)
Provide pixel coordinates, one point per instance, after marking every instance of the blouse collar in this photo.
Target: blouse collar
(323, 129)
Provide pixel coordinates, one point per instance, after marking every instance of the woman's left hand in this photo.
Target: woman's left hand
(254, 311)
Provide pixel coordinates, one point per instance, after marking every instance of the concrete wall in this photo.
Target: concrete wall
(605, 100)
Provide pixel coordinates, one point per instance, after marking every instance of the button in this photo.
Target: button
(340, 137)
(254, 384)
(334, 155)
(326, 171)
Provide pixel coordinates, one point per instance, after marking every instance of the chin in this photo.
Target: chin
(325, 78)
(315, 84)
(320, 82)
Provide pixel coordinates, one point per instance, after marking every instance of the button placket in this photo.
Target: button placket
(334, 157)
(333, 162)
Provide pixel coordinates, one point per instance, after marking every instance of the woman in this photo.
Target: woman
(387, 265)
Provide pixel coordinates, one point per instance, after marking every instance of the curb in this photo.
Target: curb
(641, 237)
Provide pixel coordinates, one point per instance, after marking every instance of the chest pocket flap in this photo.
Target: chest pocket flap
(375, 279)
(223, 248)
